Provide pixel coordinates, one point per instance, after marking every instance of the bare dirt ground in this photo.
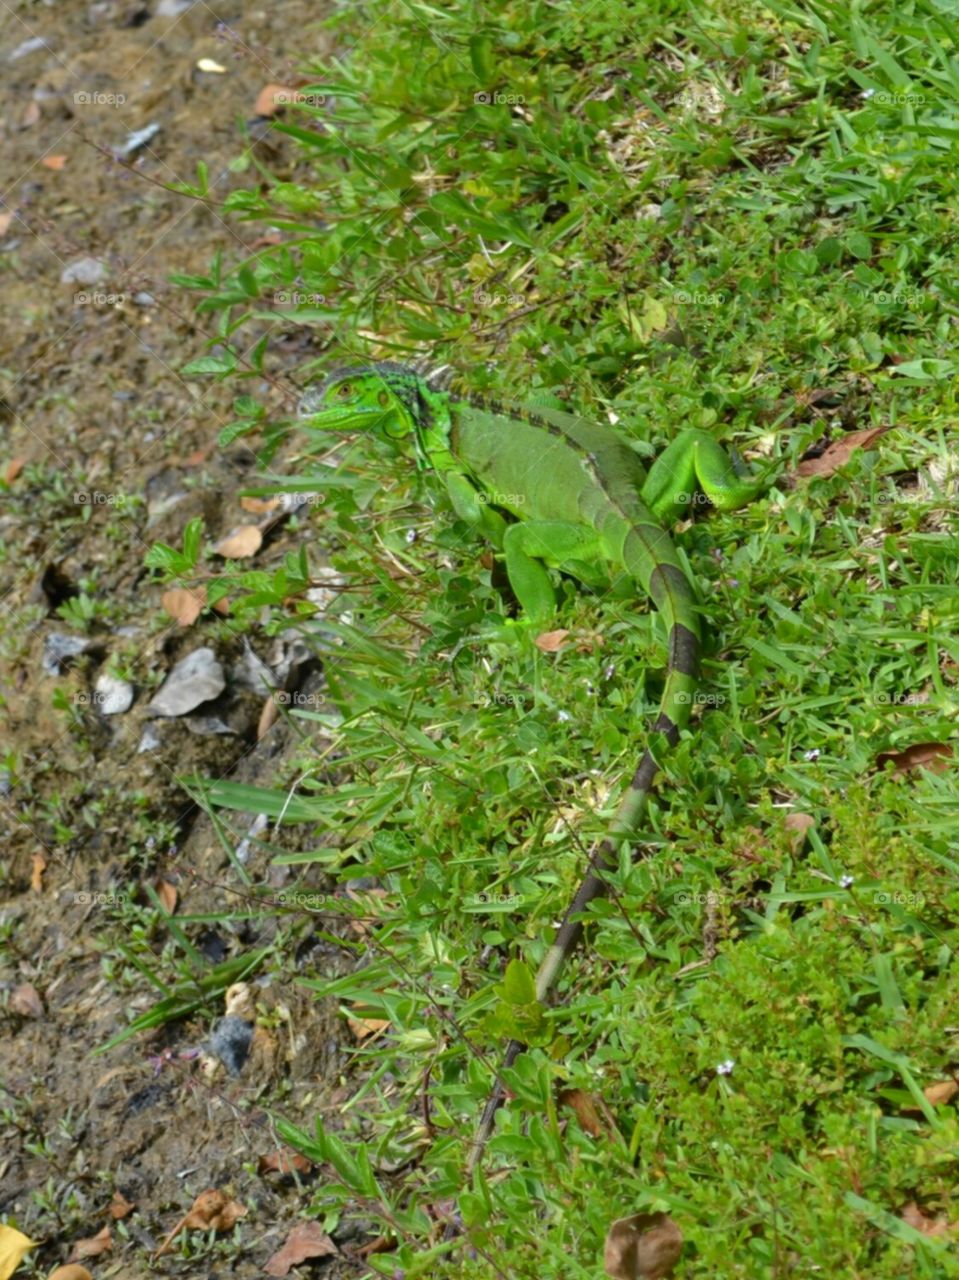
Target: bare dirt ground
(104, 450)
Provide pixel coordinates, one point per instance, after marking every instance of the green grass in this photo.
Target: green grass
(742, 220)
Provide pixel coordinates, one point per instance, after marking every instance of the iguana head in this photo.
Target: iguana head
(382, 398)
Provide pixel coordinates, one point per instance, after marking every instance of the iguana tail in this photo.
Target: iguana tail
(649, 558)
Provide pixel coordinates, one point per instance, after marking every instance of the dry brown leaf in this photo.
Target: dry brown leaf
(212, 1210)
(551, 641)
(240, 543)
(73, 1271)
(934, 755)
(36, 874)
(31, 115)
(184, 604)
(268, 718)
(363, 1028)
(942, 1092)
(584, 1108)
(284, 1162)
(120, 1206)
(261, 506)
(26, 1001)
(93, 1247)
(306, 1240)
(838, 453)
(15, 465)
(915, 1217)
(55, 163)
(797, 824)
(273, 97)
(644, 1247)
(197, 457)
(222, 606)
(167, 894)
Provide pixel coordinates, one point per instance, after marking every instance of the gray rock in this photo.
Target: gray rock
(58, 649)
(113, 696)
(83, 271)
(196, 679)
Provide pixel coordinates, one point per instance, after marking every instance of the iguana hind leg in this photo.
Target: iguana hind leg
(693, 463)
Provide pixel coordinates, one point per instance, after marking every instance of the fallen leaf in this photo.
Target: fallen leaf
(273, 96)
(838, 453)
(26, 1001)
(71, 1272)
(584, 1108)
(644, 1247)
(242, 542)
(31, 115)
(363, 1028)
(36, 874)
(914, 1217)
(120, 1206)
(184, 604)
(54, 162)
(93, 1247)
(197, 457)
(212, 1210)
(214, 68)
(15, 465)
(551, 641)
(260, 506)
(942, 1092)
(933, 755)
(284, 1162)
(14, 1245)
(166, 892)
(797, 824)
(268, 718)
(306, 1240)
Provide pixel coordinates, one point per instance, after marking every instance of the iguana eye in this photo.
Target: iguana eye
(384, 398)
(345, 390)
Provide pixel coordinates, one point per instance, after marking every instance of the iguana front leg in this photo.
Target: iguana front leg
(469, 505)
(529, 547)
(695, 461)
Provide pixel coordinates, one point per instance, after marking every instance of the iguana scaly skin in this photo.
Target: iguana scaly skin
(580, 501)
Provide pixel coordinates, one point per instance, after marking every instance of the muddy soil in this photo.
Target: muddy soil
(106, 449)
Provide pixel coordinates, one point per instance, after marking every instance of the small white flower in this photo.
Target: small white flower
(725, 1068)
(813, 755)
(846, 882)
(563, 716)
(411, 535)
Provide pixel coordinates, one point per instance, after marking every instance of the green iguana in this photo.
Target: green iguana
(576, 498)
